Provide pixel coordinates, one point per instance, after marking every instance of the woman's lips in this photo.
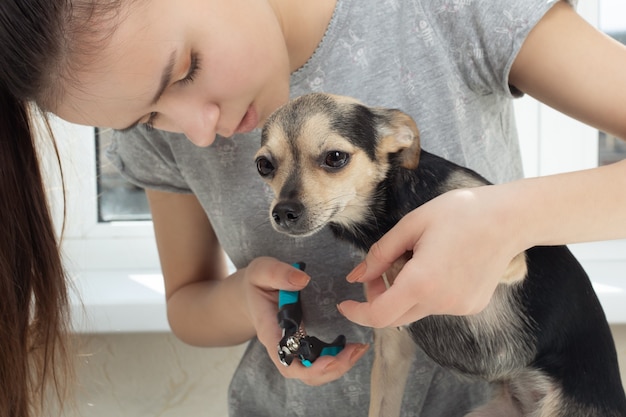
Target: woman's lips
(249, 122)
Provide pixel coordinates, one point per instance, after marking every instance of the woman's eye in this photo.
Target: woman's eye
(336, 159)
(264, 166)
(194, 67)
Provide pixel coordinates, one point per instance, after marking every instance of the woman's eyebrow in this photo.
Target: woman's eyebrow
(166, 77)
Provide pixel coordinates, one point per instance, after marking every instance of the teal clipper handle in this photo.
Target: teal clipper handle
(295, 342)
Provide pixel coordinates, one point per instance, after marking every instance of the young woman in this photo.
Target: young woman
(213, 70)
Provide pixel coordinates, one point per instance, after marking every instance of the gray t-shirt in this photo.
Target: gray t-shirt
(445, 62)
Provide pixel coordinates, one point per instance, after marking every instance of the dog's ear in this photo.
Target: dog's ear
(399, 134)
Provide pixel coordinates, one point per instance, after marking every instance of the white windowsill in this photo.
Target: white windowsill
(112, 301)
(135, 301)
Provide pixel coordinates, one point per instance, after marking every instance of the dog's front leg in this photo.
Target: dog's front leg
(394, 350)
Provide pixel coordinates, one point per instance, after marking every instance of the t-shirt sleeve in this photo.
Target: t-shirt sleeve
(486, 38)
(145, 158)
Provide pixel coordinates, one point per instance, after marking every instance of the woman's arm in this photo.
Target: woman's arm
(203, 308)
(572, 67)
(569, 65)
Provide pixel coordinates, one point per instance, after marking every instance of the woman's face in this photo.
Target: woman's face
(199, 67)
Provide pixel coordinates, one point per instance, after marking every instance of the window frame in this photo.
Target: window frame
(90, 244)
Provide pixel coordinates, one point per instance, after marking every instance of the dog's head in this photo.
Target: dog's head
(324, 155)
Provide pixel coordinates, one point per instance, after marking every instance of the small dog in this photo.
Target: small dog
(543, 340)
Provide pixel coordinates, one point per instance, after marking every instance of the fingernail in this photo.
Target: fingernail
(340, 310)
(357, 272)
(298, 279)
(358, 353)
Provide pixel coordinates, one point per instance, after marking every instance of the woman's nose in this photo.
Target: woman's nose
(199, 125)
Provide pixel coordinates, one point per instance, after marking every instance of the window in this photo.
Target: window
(109, 248)
(122, 241)
(118, 199)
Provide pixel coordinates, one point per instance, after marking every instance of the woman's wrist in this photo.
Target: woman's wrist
(211, 312)
(567, 208)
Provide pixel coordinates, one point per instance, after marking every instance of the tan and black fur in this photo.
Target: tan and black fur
(543, 341)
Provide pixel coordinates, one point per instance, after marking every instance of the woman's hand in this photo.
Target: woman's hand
(461, 244)
(263, 278)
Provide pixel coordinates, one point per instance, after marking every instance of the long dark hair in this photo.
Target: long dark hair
(38, 38)
(33, 294)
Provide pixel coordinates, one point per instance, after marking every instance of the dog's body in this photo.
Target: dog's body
(543, 340)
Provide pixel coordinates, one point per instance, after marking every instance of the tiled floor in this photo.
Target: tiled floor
(151, 375)
(155, 375)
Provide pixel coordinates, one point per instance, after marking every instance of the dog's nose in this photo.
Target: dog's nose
(287, 213)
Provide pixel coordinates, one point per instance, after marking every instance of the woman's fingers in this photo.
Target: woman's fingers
(325, 369)
(265, 277)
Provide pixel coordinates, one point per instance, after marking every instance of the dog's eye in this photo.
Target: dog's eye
(264, 166)
(336, 159)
